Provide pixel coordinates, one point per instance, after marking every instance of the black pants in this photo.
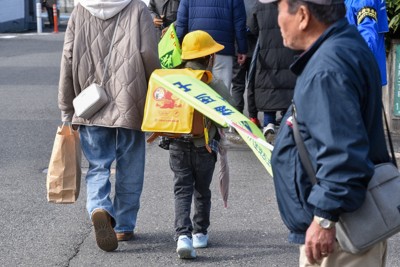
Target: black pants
(51, 15)
(193, 169)
(239, 83)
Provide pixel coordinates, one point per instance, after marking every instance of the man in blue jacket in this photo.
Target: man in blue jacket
(337, 76)
(225, 21)
(370, 17)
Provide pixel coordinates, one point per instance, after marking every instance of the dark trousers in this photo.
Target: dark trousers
(239, 77)
(51, 15)
(193, 169)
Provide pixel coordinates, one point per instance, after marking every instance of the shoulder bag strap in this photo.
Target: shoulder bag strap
(303, 153)
(108, 58)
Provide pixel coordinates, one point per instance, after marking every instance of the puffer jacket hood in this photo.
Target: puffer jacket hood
(104, 9)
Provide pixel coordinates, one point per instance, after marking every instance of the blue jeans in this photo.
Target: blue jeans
(101, 146)
(193, 169)
(269, 117)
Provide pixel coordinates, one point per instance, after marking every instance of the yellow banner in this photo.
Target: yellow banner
(204, 99)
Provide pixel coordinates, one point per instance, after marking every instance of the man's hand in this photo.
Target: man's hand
(241, 59)
(163, 31)
(158, 22)
(319, 242)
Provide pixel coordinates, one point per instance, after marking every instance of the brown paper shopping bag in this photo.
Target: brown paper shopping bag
(64, 173)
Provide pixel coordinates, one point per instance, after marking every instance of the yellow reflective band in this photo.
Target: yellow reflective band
(366, 12)
(206, 134)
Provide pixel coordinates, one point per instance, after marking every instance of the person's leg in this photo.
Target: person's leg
(130, 162)
(50, 15)
(180, 164)
(222, 69)
(269, 126)
(374, 257)
(98, 146)
(238, 85)
(205, 165)
(269, 117)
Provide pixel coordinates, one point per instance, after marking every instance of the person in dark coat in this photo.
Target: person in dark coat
(271, 90)
(240, 71)
(337, 104)
(163, 13)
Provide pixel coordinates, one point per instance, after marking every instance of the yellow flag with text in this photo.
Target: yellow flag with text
(211, 104)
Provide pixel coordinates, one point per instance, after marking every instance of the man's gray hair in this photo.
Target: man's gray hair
(326, 14)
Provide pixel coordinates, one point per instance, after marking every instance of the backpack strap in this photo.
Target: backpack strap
(152, 137)
(207, 125)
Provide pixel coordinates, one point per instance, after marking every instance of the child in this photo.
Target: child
(192, 159)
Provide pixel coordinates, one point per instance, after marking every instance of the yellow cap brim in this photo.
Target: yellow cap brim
(198, 54)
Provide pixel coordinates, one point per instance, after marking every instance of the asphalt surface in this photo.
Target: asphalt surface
(34, 232)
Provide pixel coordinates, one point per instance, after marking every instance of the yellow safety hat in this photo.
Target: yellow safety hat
(199, 44)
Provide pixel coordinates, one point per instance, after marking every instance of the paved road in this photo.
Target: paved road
(35, 233)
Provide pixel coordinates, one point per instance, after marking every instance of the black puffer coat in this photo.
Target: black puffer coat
(272, 87)
(166, 8)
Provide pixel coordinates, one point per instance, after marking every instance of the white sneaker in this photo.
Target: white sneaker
(200, 240)
(269, 132)
(185, 248)
(269, 129)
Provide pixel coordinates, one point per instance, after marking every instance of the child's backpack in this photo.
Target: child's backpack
(166, 115)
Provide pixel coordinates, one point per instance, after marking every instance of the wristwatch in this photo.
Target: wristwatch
(324, 223)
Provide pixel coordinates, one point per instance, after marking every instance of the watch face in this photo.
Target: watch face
(325, 223)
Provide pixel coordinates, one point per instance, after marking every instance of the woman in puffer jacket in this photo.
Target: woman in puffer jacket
(114, 132)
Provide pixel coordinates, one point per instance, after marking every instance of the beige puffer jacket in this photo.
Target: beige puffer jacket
(133, 58)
